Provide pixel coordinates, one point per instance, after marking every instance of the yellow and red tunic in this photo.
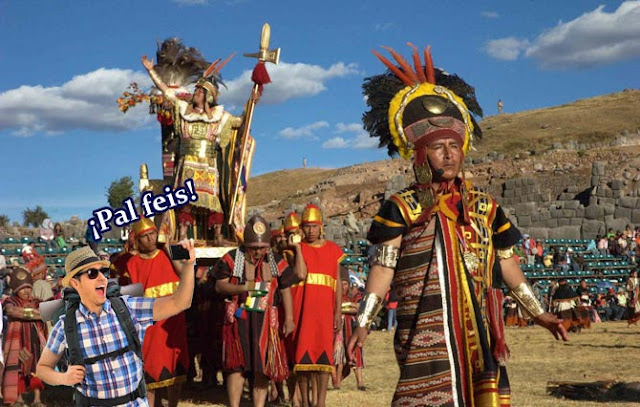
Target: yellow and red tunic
(165, 350)
(314, 332)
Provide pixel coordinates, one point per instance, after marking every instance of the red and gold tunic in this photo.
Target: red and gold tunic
(314, 332)
(165, 351)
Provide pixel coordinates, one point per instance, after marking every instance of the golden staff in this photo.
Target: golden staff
(259, 77)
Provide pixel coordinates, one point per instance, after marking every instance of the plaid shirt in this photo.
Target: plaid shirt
(101, 334)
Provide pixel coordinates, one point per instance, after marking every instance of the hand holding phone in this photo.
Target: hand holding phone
(177, 252)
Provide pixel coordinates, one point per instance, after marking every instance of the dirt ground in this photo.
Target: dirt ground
(607, 351)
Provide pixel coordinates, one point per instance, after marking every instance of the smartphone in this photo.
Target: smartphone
(178, 252)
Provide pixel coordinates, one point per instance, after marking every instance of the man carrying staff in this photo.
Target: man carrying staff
(443, 244)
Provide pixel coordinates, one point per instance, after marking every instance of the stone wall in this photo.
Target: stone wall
(575, 213)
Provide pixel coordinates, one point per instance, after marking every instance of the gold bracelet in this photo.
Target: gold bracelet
(504, 254)
(27, 313)
(523, 294)
(369, 307)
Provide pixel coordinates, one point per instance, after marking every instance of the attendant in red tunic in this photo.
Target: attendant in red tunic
(165, 351)
(317, 263)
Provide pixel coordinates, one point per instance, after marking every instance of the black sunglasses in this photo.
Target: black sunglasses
(93, 273)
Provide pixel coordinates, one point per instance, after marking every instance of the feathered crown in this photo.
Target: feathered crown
(179, 66)
(409, 106)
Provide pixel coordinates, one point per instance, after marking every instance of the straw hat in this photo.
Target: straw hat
(80, 260)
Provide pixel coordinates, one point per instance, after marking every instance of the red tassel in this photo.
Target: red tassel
(260, 76)
(276, 359)
(35, 383)
(232, 352)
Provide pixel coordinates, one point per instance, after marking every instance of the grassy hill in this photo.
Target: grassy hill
(588, 120)
(594, 120)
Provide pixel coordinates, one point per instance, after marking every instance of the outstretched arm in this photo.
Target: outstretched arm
(148, 65)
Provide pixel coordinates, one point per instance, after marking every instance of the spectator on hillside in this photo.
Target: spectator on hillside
(3, 263)
(615, 311)
(58, 234)
(529, 248)
(610, 233)
(91, 242)
(628, 233)
(539, 252)
(29, 251)
(547, 261)
(571, 261)
(46, 233)
(592, 246)
(602, 307)
(603, 245)
(613, 245)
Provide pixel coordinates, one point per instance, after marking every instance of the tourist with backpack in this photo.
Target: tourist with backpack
(104, 342)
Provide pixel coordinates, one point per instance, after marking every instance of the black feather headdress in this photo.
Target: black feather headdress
(389, 95)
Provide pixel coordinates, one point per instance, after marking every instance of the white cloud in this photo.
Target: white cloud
(489, 14)
(87, 102)
(358, 138)
(289, 81)
(350, 127)
(594, 38)
(364, 141)
(304, 131)
(335, 142)
(507, 49)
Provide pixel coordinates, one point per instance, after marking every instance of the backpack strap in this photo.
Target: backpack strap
(126, 322)
(72, 300)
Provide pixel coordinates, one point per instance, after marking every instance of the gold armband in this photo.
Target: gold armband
(385, 256)
(155, 77)
(523, 294)
(27, 313)
(369, 307)
(504, 254)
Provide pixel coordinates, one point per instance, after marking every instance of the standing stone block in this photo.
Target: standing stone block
(524, 220)
(616, 184)
(552, 223)
(621, 212)
(569, 213)
(576, 221)
(594, 212)
(628, 201)
(591, 228)
(563, 222)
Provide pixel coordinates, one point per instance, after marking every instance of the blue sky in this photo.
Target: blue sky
(64, 64)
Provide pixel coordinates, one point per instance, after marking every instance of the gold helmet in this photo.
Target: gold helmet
(312, 215)
(292, 222)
